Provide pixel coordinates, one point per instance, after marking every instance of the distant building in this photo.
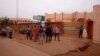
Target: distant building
(66, 17)
(39, 19)
(24, 20)
(93, 16)
(19, 20)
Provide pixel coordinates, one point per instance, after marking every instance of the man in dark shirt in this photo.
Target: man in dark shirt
(81, 31)
(48, 33)
(27, 32)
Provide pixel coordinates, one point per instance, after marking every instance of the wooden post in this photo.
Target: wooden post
(55, 17)
(84, 18)
(75, 16)
(62, 16)
(73, 20)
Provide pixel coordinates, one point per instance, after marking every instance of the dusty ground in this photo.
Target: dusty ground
(92, 50)
(64, 46)
(9, 47)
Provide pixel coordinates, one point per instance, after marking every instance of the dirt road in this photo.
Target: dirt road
(9, 47)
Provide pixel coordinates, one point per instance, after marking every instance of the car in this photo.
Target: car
(3, 32)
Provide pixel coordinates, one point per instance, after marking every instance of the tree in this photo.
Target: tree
(5, 21)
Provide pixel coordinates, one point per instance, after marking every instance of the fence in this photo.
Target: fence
(67, 29)
(71, 28)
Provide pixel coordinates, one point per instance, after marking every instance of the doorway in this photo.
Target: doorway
(89, 29)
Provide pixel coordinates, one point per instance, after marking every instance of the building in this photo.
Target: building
(96, 25)
(65, 17)
(93, 16)
(19, 20)
(39, 19)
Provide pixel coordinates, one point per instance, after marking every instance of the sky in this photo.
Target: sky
(28, 8)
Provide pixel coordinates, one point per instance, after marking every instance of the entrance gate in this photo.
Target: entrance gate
(90, 29)
(71, 29)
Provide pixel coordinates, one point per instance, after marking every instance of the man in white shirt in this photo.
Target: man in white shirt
(56, 33)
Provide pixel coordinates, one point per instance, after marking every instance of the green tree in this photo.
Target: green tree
(5, 21)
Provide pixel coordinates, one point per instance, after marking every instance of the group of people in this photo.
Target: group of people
(39, 34)
(50, 32)
(42, 34)
(7, 32)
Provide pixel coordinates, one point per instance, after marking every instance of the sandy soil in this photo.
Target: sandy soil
(9, 47)
(92, 50)
(64, 46)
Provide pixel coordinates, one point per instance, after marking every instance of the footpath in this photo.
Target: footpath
(9, 47)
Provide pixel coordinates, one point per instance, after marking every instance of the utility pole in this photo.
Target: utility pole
(17, 13)
(17, 10)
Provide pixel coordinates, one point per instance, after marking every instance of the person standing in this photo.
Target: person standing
(48, 33)
(40, 37)
(9, 32)
(56, 33)
(35, 33)
(44, 36)
(31, 33)
(27, 32)
(81, 31)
